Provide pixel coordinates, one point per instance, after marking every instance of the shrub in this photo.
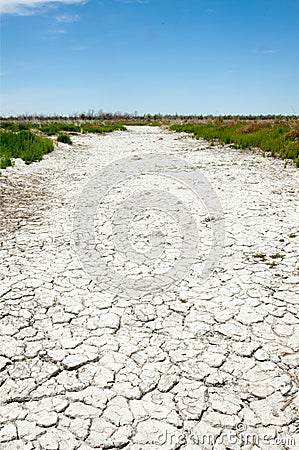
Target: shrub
(65, 138)
(24, 145)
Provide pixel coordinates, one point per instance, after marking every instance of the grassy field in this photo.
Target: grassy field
(278, 138)
(28, 140)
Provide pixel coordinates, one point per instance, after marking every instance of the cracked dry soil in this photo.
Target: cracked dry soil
(210, 365)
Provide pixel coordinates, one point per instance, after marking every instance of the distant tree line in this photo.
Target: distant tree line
(101, 116)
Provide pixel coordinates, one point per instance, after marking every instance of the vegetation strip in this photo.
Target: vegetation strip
(25, 145)
(278, 138)
(27, 140)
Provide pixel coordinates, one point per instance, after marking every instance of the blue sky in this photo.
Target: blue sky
(150, 56)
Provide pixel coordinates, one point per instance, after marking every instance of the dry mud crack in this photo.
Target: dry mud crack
(210, 365)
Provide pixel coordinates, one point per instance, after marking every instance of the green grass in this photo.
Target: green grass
(49, 129)
(25, 140)
(53, 128)
(102, 128)
(56, 128)
(278, 138)
(15, 126)
(65, 138)
(25, 145)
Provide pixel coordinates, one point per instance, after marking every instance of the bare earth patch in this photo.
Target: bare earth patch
(21, 200)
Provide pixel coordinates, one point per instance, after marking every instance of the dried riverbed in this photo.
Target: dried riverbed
(198, 366)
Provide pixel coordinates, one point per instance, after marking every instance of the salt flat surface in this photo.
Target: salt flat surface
(202, 364)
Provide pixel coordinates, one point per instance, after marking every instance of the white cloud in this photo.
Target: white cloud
(24, 7)
(79, 48)
(57, 31)
(68, 18)
(141, 2)
(269, 51)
